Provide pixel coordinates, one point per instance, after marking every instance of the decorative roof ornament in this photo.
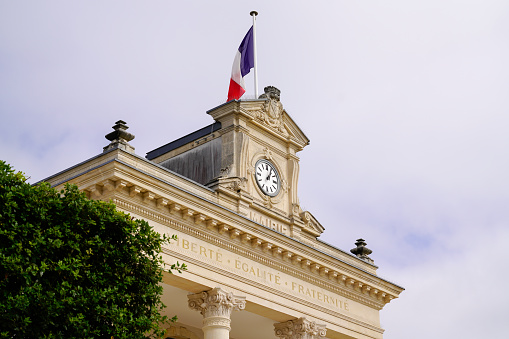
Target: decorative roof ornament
(271, 92)
(361, 251)
(272, 113)
(119, 138)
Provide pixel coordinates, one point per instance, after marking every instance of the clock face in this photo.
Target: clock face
(267, 177)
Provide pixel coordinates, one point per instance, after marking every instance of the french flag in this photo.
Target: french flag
(242, 64)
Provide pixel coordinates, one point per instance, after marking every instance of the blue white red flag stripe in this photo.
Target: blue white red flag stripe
(242, 64)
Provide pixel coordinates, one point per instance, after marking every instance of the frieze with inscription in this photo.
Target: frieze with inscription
(259, 272)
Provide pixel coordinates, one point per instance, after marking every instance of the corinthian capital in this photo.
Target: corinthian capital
(216, 303)
(299, 329)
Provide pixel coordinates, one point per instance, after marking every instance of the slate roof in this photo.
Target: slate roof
(183, 141)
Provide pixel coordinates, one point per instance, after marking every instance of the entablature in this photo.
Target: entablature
(134, 191)
(141, 187)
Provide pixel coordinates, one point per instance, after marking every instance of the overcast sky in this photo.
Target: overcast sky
(405, 103)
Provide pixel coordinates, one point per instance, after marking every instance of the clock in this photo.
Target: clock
(267, 177)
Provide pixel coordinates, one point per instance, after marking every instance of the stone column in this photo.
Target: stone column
(299, 329)
(216, 307)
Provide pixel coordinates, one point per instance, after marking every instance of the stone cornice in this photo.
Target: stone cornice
(264, 143)
(134, 189)
(136, 162)
(268, 254)
(270, 251)
(131, 178)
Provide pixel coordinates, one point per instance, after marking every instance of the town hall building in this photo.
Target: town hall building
(256, 266)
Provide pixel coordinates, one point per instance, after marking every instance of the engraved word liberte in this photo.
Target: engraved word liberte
(236, 264)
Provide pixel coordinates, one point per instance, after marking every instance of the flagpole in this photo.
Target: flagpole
(254, 14)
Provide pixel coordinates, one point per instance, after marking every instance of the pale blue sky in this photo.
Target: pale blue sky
(405, 104)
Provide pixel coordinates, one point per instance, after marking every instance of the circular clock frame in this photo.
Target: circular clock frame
(263, 166)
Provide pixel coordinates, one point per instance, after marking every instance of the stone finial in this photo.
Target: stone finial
(361, 251)
(299, 329)
(271, 92)
(119, 138)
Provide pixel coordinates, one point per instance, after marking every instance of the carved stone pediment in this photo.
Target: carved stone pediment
(311, 225)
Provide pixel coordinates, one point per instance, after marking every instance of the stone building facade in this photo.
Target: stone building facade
(256, 266)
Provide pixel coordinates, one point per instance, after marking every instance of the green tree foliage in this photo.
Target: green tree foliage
(71, 267)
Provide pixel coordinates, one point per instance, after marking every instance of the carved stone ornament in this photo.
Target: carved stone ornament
(299, 329)
(119, 138)
(267, 202)
(361, 251)
(268, 154)
(284, 186)
(233, 183)
(272, 113)
(216, 303)
(238, 184)
(311, 225)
